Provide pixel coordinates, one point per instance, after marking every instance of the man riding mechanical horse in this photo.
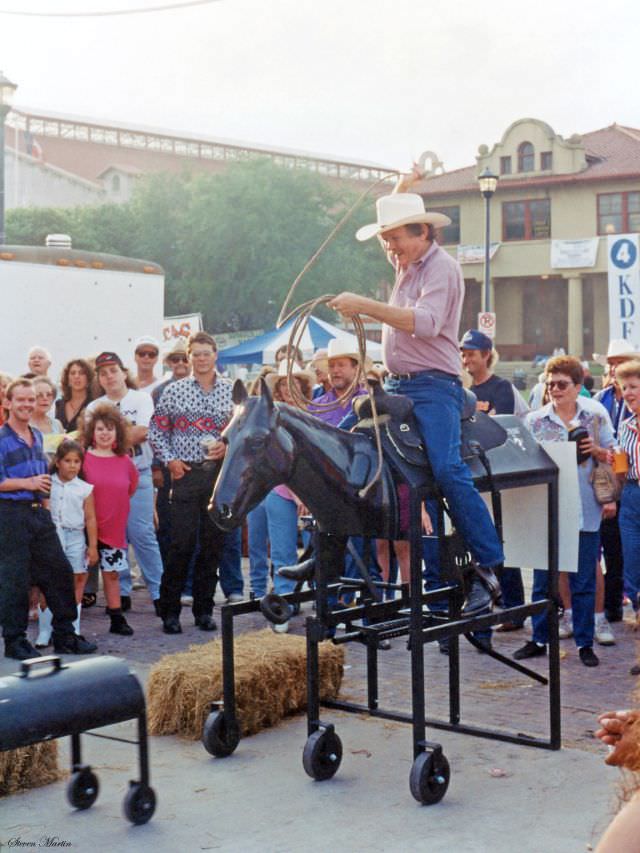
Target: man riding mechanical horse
(421, 351)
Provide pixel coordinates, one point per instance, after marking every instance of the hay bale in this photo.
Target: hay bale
(270, 681)
(29, 767)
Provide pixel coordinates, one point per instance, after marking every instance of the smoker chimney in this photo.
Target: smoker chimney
(58, 241)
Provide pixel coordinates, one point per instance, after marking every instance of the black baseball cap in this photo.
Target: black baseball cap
(106, 358)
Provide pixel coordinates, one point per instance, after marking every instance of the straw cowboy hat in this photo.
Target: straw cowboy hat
(319, 360)
(305, 377)
(618, 348)
(178, 347)
(341, 349)
(400, 209)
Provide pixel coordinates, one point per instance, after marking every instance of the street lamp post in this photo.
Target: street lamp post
(487, 182)
(7, 89)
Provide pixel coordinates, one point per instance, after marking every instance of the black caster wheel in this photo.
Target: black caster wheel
(275, 609)
(220, 737)
(322, 754)
(140, 803)
(429, 778)
(83, 788)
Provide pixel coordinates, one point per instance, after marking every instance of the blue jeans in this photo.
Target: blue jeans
(141, 535)
(583, 593)
(230, 571)
(512, 588)
(258, 536)
(282, 522)
(437, 405)
(630, 535)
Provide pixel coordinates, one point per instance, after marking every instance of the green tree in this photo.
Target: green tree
(230, 243)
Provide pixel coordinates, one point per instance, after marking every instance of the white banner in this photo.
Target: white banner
(180, 327)
(624, 288)
(574, 254)
(474, 254)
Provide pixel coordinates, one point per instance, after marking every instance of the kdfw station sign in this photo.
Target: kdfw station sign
(624, 288)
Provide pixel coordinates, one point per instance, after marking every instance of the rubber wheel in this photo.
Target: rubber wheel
(140, 803)
(275, 608)
(219, 737)
(429, 778)
(322, 755)
(83, 788)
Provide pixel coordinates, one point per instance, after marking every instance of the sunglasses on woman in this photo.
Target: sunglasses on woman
(176, 359)
(560, 384)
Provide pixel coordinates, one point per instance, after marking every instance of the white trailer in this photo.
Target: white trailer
(75, 304)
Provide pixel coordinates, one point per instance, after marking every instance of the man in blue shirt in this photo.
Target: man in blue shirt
(31, 552)
(495, 395)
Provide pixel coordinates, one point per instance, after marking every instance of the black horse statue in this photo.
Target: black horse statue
(272, 443)
(328, 469)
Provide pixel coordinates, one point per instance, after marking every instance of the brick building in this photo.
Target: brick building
(553, 195)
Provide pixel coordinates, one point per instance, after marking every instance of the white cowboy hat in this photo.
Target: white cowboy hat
(339, 348)
(618, 348)
(400, 209)
(272, 379)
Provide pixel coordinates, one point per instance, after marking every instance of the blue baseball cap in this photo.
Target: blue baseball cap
(474, 339)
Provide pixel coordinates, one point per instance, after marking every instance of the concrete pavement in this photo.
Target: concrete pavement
(260, 798)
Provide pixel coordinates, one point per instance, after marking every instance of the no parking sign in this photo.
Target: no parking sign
(487, 323)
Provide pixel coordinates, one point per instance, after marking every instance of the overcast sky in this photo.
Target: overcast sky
(377, 80)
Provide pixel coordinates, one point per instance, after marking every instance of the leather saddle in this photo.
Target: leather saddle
(400, 433)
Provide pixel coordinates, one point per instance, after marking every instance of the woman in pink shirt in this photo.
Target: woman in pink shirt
(114, 477)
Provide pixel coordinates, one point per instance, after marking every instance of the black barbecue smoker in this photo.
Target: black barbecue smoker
(50, 698)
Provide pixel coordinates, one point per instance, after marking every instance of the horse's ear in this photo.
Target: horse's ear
(239, 393)
(265, 393)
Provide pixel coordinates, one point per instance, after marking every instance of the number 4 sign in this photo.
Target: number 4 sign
(487, 323)
(624, 287)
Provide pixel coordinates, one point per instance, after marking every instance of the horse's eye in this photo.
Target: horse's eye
(257, 442)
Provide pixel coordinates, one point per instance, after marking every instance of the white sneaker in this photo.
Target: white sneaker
(604, 634)
(565, 627)
(235, 598)
(45, 628)
(281, 629)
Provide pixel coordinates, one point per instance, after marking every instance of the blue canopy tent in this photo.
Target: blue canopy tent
(317, 334)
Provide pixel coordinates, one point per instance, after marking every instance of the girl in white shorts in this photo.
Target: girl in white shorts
(73, 513)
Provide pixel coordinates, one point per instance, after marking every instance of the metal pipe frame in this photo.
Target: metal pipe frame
(406, 617)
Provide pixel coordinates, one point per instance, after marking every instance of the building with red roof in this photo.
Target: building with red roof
(556, 202)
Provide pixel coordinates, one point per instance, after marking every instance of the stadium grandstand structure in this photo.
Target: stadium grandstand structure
(88, 147)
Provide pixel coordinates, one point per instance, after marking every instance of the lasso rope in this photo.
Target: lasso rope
(303, 312)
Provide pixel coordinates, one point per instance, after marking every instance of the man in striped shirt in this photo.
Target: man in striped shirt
(31, 552)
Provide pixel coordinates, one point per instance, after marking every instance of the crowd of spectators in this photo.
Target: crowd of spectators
(133, 456)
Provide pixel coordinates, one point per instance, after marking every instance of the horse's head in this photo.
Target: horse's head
(260, 455)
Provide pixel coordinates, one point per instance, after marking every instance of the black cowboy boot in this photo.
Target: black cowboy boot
(333, 550)
(304, 571)
(484, 592)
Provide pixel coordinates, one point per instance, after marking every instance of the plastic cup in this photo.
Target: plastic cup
(620, 461)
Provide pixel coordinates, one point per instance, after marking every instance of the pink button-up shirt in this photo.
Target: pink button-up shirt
(433, 287)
